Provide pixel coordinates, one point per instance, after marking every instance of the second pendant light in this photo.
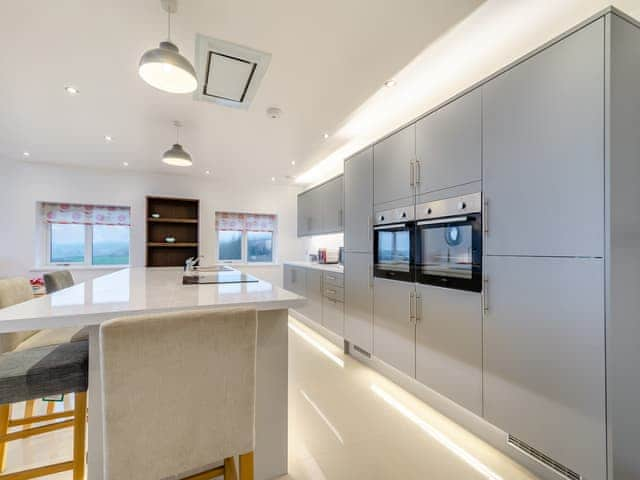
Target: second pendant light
(177, 156)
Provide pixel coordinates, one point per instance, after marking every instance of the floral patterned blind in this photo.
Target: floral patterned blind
(255, 222)
(85, 214)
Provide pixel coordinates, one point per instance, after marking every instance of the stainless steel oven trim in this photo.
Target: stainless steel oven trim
(443, 220)
(390, 227)
(449, 207)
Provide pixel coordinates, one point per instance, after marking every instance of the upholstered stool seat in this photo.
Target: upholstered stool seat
(44, 371)
(54, 336)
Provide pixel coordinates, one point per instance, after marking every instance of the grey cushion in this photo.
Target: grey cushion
(44, 371)
(55, 281)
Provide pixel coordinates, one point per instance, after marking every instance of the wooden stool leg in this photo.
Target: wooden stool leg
(230, 469)
(51, 406)
(246, 466)
(29, 407)
(79, 434)
(5, 411)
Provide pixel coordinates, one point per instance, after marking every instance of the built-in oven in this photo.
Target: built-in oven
(394, 243)
(449, 243)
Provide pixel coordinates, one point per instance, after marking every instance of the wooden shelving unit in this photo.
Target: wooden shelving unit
(179, 219)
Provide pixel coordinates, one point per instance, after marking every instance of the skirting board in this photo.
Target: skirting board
(463, 417)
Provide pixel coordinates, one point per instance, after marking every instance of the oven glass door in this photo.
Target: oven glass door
(393, 247)
(449, 252)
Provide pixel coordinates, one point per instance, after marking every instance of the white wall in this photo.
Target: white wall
(22, 185)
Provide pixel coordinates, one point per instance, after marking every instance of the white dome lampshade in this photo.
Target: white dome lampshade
(177, 156)
(165, 69)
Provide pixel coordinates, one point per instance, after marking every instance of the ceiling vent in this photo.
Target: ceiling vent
(228, 74)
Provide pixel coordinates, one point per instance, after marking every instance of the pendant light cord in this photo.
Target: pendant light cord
(169, 23)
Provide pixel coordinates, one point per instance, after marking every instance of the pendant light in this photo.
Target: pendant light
(163, 67)
(177, 156)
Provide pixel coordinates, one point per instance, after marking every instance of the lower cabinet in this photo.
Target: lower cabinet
(333, 315)
(295, 279)
(544, 350)
(394, 331)
(358, 299)
(313, 283)
(449, 344)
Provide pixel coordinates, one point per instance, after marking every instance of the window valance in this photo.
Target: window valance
(254, 222)
(85, 214)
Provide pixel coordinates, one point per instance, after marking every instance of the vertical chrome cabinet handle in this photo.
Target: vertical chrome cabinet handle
(412, 314)
(418, 172)
(485, 295)
(341, 219)
(485, 217)
(370, 227)
(370, 276)
(412, 173)
(418, 306)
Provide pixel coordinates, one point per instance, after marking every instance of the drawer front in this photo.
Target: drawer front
(333, 316)
(334, 293)
(333, 279)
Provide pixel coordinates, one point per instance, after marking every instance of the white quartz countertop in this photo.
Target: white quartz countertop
(138, 291)
(329, 267)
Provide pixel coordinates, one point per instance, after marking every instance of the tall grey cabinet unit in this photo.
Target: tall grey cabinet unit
(393, 166)
(543, 143)
(394, 330)
(449, 145)
(358, 201)
(623, 247)
(544, 363)
(358, 256)
(449, 344)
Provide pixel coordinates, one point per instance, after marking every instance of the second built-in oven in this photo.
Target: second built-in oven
(449, 243)
(394, 243)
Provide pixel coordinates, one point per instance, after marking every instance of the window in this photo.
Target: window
(85, 234)
(245, 237)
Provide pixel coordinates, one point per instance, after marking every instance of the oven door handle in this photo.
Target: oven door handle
(443, 220)
(389, 227)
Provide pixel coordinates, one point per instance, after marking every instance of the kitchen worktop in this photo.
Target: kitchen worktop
(138, 290)
(328, 267)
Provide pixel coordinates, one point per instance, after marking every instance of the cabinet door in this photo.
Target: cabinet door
(313, 288)
(358, 202)
(304, 215)
(449, 344)
(392, 166)
(394, 335)
(333, 315)
(332, 205)
(358, 299)
(294, 279)
(449, 144)
(287, 281)
(316, 210)
(544, 356)
(543, 151)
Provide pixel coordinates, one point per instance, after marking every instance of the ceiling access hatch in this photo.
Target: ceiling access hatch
(228, 74)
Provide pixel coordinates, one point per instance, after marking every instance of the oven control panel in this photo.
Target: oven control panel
(447, 207)
(395, 215)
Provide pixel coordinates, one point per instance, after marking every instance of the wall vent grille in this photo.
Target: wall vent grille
(547, 461)
(361, 351)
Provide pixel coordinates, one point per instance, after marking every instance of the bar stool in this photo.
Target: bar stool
(196, 372)
(17, 290)
(54, 281)
(38, 372)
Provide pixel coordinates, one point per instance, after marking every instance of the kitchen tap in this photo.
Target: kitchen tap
(191, 262)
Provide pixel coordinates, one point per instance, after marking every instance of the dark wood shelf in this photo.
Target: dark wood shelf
(175, 244)
(172, 220)
(178, 219)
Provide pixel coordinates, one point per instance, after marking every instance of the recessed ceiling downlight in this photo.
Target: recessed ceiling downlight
(164, 67)
(26, 154)
(71, 90)
(177, 156)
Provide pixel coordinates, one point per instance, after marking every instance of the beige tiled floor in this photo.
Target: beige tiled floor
(346, 422)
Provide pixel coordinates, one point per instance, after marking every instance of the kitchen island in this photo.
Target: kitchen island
(135, 291)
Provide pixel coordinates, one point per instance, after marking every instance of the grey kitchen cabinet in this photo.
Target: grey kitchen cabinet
(313, 288)
(543, 151)
(358, 202)
(449, 144)
(449, 344)
(320, 209)
(393, 162)
(358, 299)
(332, 194)
(394, 332)
(544, 356)
(333, 315)
(295, 279)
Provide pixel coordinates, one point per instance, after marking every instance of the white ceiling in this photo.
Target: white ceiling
(328, 58)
